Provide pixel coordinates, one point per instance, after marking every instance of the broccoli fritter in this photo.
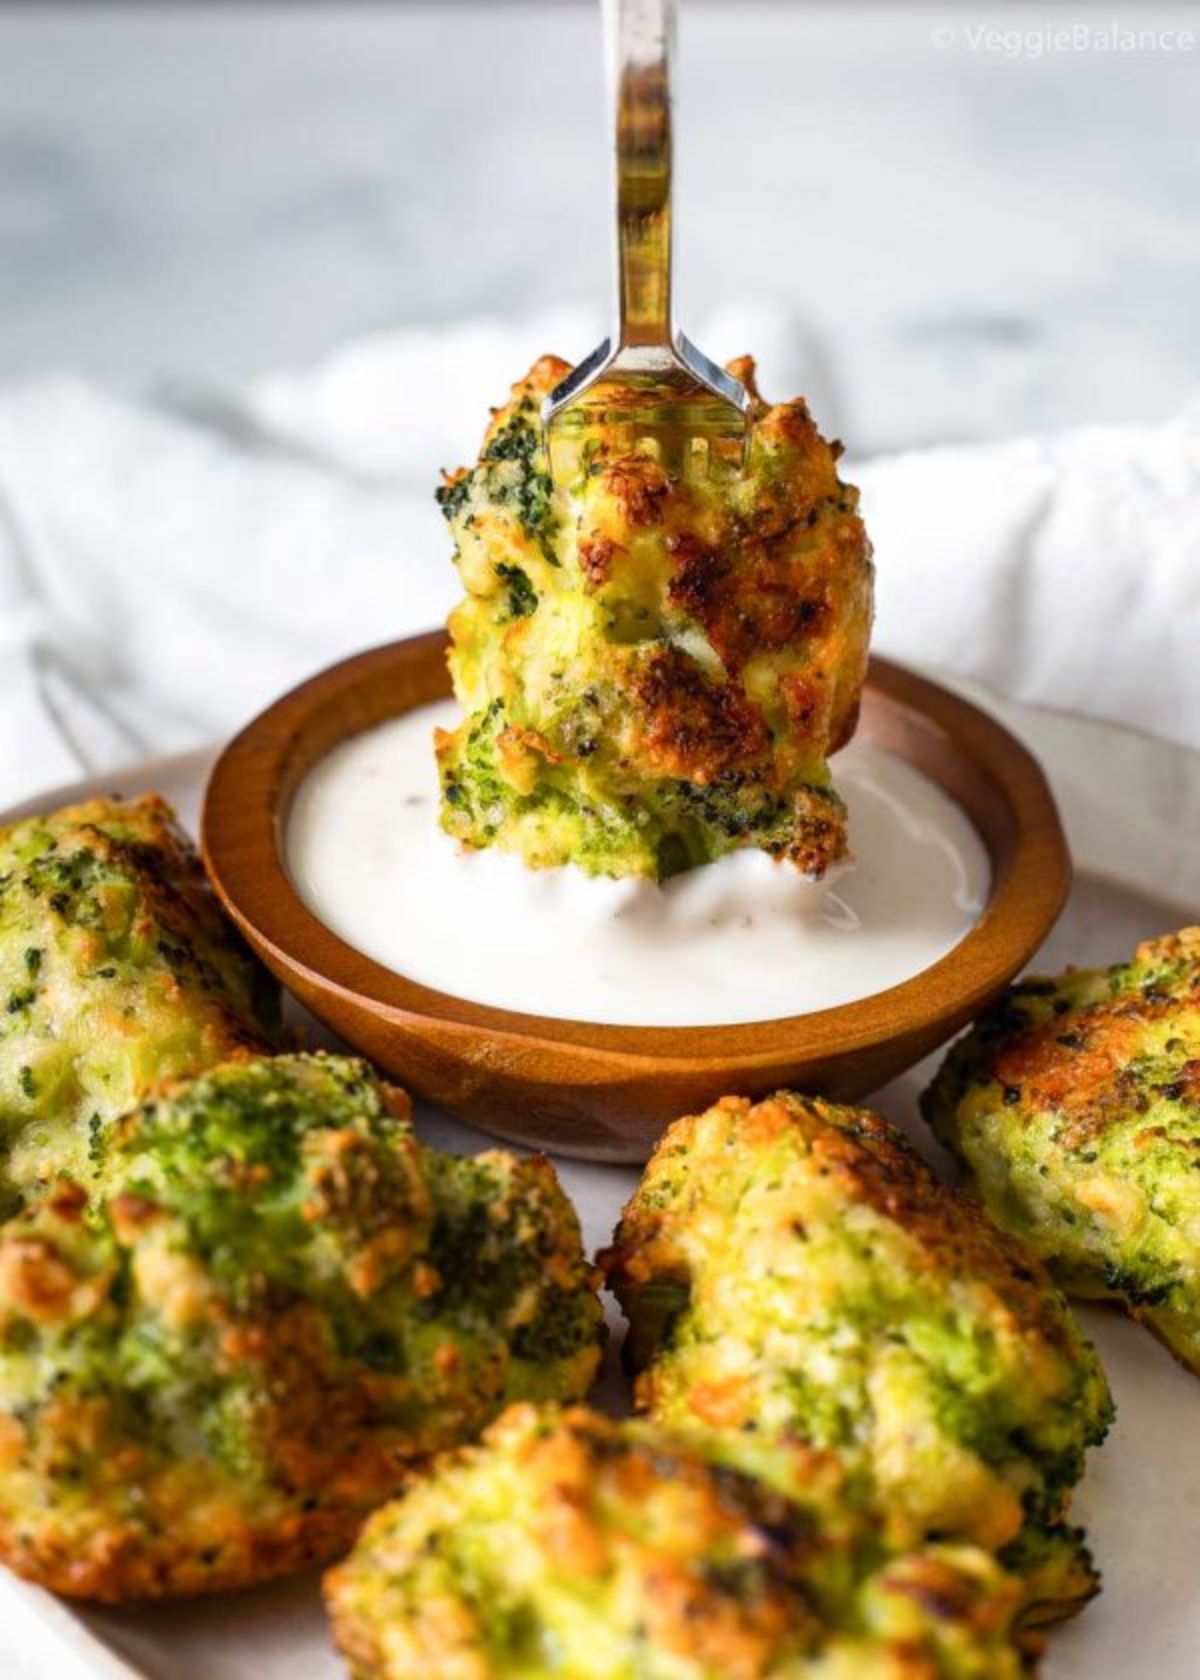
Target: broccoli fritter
(792, 1271)
(117, 971)
(275, 1304)
(571, 1544)
(653, 670)
(1075, 1106)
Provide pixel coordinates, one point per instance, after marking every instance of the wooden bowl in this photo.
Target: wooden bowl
(606, 1092)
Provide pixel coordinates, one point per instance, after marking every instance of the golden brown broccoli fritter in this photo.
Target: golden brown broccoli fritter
(276, 1303)
(654, 671)
(570, 1544)
(1075, 1105)
(793, 1272)
(117, 971)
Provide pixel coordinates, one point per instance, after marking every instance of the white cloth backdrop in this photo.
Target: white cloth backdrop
(169, 563)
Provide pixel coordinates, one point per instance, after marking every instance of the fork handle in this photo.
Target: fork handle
(639, 36)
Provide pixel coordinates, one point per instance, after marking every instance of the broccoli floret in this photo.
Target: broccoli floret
(529, 491)
(520, 594)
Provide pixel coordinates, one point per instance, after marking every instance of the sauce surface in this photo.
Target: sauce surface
(741, 939)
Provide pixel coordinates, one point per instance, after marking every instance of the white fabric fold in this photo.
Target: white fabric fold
(1062, 571)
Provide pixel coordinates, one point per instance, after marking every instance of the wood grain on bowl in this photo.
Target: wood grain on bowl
(605, 1092)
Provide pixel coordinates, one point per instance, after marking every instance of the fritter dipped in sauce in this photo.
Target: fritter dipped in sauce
(275, 1305)
(654, 670)
(568, 1544)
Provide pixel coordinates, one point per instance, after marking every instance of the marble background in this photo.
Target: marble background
(969, 241)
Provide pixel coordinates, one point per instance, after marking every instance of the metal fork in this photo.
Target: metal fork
(646, 385)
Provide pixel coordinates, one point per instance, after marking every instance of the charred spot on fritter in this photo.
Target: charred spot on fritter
(692, 728)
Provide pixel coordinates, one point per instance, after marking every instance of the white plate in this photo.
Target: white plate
(1132, 811)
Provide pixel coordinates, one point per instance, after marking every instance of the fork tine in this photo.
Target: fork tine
(646, 382)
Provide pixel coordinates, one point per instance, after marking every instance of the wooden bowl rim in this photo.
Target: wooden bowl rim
(242, 803)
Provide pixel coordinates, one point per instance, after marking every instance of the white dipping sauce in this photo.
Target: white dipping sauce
(741, 939)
